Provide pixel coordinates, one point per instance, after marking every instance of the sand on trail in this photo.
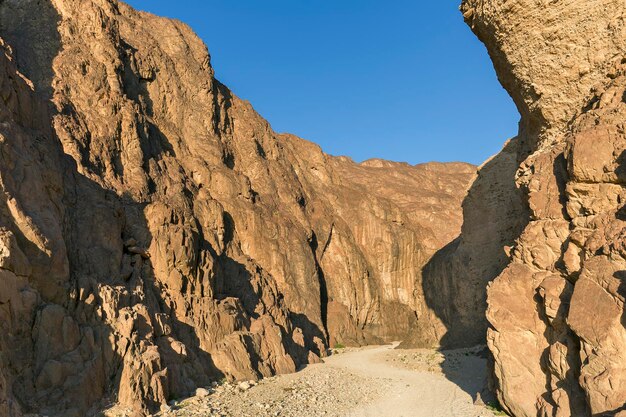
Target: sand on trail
(377, 381)
(412, 393)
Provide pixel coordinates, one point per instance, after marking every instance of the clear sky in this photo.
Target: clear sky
(403, 80)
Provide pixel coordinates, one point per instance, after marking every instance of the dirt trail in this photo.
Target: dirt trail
(364, 382)
(407, 392)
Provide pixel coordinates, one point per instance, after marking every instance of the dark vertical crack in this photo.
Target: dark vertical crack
(314, 244)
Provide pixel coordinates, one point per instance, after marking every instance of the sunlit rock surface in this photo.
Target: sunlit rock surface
(556, 310)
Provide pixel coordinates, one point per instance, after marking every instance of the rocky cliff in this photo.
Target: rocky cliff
(556, 308)
(156, 234)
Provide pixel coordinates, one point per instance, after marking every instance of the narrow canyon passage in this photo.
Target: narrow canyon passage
(360, 382)
(164, 251)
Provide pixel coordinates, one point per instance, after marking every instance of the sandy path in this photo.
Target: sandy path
(364, 382)
(406, 393)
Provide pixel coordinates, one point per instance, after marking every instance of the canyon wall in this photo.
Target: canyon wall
(157, 235)
(556, 308)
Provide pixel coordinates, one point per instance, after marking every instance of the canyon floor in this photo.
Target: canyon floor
(371, 381)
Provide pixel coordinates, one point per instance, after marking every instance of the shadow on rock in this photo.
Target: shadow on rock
(455, 279)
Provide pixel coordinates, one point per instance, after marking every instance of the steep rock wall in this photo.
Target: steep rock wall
(556, 309)
(156, 234)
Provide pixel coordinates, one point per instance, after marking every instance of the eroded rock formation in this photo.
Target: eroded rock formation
(156, 234)
(556, 310)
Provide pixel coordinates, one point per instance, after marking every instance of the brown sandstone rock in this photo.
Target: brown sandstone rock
(555, 312)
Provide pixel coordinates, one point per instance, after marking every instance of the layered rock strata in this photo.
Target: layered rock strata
(156, 234)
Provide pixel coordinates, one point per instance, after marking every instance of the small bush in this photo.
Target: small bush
(496, 408)
(339, 346)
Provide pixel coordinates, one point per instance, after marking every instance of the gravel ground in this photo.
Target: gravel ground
(372, 381)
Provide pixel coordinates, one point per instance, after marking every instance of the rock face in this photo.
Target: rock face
(556, 309)
(156, 234)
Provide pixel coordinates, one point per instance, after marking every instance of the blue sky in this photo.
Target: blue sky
(403, 80)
